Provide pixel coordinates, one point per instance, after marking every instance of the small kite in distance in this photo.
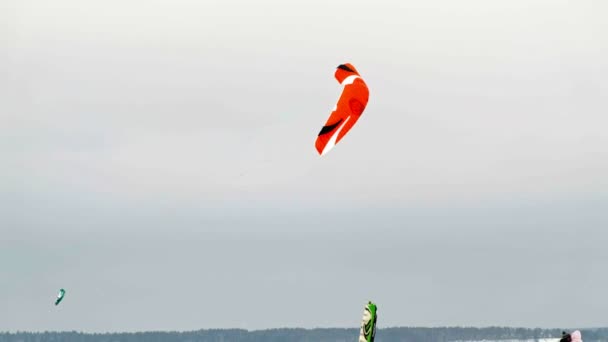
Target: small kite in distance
(60, 296)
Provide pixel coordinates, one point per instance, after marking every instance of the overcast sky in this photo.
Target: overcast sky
(157, 161)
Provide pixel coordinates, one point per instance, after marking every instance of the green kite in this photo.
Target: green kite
(368, 324)
(60, 296)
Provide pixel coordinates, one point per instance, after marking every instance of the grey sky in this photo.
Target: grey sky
(158, 162)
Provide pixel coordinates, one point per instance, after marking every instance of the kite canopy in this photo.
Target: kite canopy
(60, 296)
(349, 108)
(368, 323)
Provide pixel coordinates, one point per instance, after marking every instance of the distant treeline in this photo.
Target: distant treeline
(309, 335)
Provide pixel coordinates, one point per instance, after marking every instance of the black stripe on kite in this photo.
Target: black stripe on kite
(327, 129)
(344, 67)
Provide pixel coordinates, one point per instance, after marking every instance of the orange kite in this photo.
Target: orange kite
(349, 108)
